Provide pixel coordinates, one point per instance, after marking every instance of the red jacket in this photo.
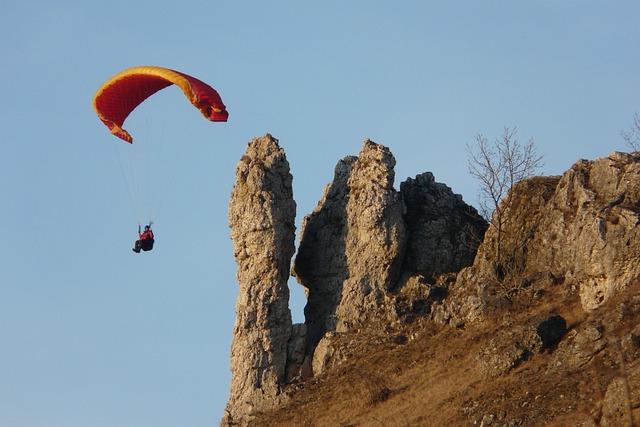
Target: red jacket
(146, 235)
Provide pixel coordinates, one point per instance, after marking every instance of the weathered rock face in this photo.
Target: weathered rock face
(590, 236)
(262, 221)
(444, 232)
(321, 263)
(351, 246)
(517, 343)
(374, 261)
(579, 229)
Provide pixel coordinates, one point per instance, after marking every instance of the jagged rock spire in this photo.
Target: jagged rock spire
(262, 221)
(352, 244)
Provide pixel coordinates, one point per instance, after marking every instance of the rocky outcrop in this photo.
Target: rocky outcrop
(374, 260)
(367, 244)
(588, 234)
(444, 236)
(517, 343)
(350, 260)
(262, 221)
(444, 232)
(579, 230)
(352, 244)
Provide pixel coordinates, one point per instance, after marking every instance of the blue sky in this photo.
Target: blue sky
(94, 335)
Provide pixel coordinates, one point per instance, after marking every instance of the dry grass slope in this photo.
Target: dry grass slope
(428, 375)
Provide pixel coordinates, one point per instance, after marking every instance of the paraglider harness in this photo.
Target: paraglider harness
(145, 240)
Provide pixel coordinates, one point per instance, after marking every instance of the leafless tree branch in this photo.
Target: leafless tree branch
(498, 167)
(632, 137)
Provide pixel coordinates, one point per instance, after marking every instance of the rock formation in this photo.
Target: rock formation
(587, 234)
(579, 230)
(444, 232)
(350, 260)
(352, 245)
(262, 221)
(373, 260)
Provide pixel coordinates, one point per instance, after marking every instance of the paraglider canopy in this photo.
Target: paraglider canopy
(122, 93)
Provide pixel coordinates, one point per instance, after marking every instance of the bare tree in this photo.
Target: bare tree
(498, 167)
(633, 136)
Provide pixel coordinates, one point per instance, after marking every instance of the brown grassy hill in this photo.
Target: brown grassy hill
(428, 375)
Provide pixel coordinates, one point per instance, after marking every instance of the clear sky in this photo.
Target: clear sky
(94, 335)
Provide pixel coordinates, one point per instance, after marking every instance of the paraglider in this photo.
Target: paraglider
(122, 93)
(145, 240)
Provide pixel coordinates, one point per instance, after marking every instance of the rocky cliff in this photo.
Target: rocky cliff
(261, 215)
(387, 270)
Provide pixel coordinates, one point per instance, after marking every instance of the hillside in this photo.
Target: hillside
(425, 375)
(420, 314)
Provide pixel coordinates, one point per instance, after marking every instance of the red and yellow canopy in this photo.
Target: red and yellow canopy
(122, 93)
